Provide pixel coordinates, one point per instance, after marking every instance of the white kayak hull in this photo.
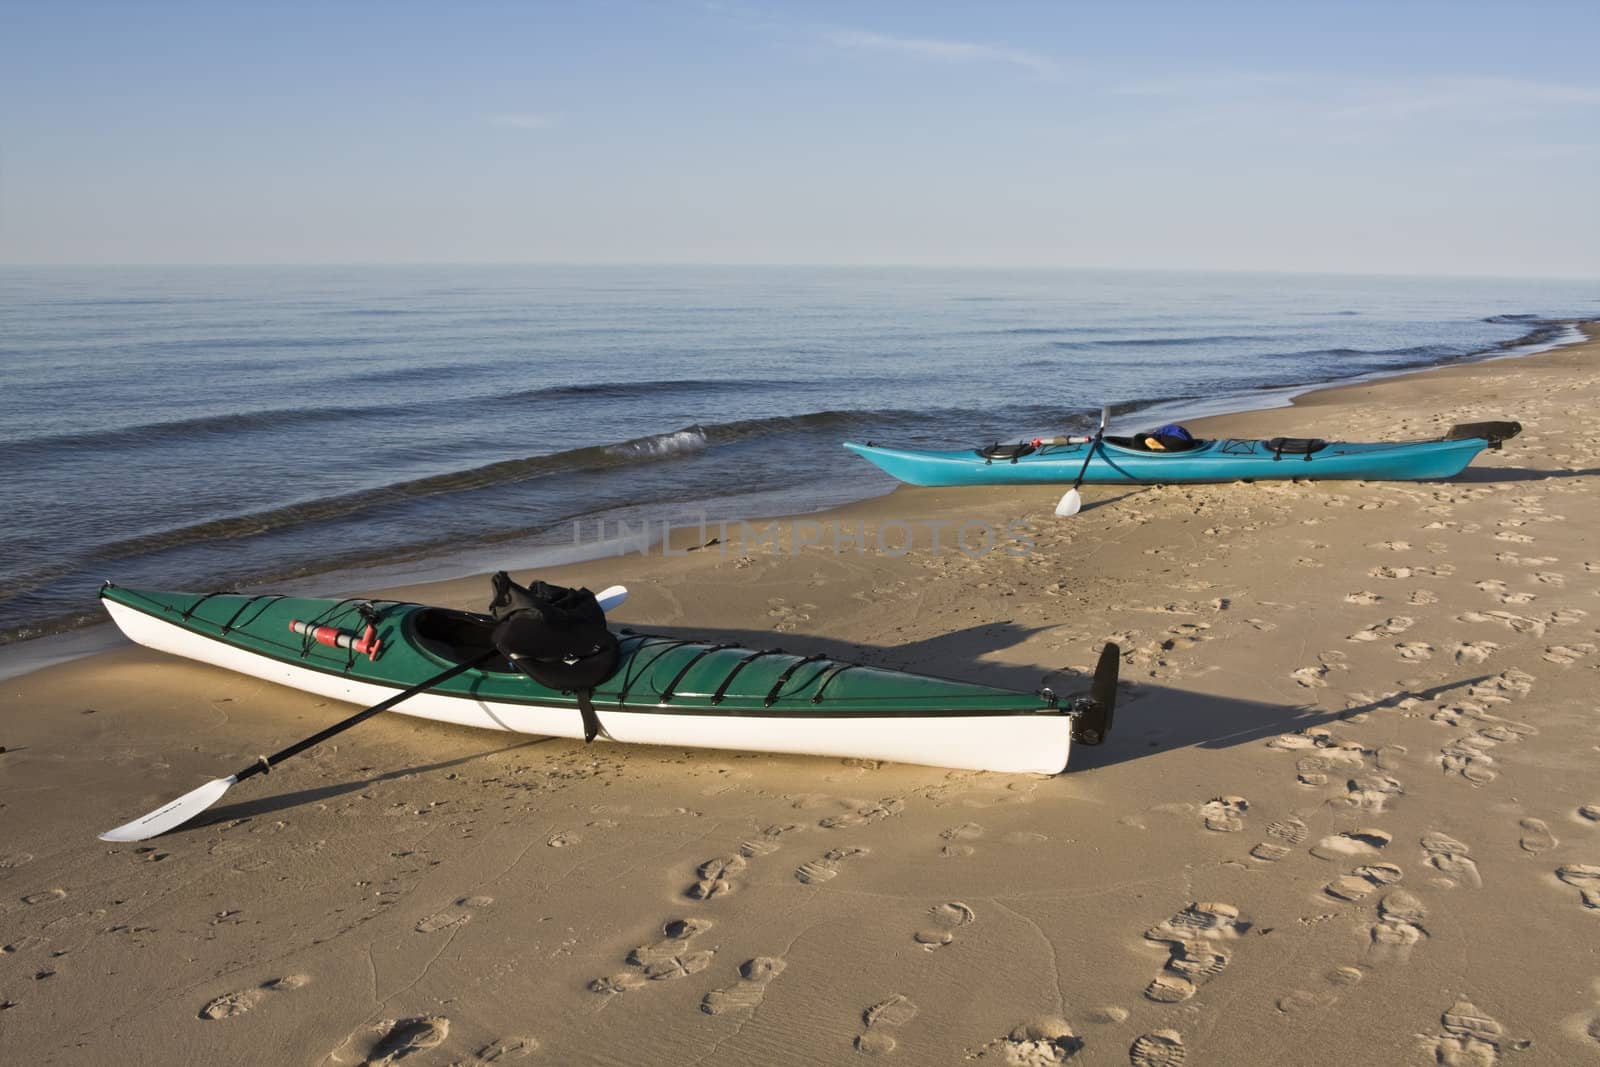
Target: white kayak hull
(1036, 744)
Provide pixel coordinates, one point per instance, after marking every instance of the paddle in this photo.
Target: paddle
(192, 803)
(1071, 503)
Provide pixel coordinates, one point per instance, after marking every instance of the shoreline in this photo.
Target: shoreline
(20, 657)
(1350, 777)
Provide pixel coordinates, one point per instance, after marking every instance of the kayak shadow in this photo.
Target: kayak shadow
(1149, 718)
(1091, 505)
(250, 809)
(1153, 719)
(1491, 475)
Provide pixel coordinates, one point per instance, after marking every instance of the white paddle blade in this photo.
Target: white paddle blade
(1070, 504)
(172, 814)
(612, 597)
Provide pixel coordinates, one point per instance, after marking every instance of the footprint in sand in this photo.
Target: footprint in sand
(1475, 651)
(1390, 756)
(1510, 620)
(1413, 651)
(1503, 688)
(1158, 1048)
(956, 838)
(1184, 636)
(767, 841)
(1567, 655)
(1516, 559)
(1195, 939)
(1369, 793)
(1399, 624)
(745, 994)
(826, 866)
(1398, 930)
(716, 877)
(883, 809)
(885, 1015)
(1225, 814)
(1043, 1041)
(450, 918)
(442, 920)
(945, 920)
(1469, 756)
(1290, 832)
(48, 896)
(1352, 843)
(1536, 836)
(396, 1039)
(231, 1004)
(1360, 883)
(1312, 677)
(1298, 1001)
(1313, 770)
(1449, 857)
(1585, 879)
(1362, 597)
(1418, 598)
(508, 1048)
(1470, 1038)
(663, 959)
(1315, 676)
(1591, 812)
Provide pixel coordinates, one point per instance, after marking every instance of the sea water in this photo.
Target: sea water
(219, 427)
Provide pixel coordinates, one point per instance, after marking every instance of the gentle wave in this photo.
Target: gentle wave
(275, 419)
(651, 448)
(1169, 342)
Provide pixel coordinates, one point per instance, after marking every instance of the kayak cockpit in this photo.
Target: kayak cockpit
(455, 637)
(1169, 446)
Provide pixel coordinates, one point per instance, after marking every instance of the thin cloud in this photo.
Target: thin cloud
(1467, 98)
(522, 122)
(943, 51)
(1235, 83)
(1471, 99)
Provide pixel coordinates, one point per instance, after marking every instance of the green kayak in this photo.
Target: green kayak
(664, 690)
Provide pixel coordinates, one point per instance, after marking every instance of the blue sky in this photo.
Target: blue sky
(1398, 137)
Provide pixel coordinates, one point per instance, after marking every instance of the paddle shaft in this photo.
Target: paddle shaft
(266, 763)
(1089, 453)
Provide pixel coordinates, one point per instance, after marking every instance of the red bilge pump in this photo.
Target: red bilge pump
(366, 642)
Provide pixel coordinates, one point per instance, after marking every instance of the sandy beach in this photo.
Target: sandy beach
(1348, 813)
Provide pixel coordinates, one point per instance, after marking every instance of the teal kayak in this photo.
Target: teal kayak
(1126, 461)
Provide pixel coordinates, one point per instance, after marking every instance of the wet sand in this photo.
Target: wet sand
(1348, 814)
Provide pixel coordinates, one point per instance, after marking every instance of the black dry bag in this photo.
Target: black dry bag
(558, 637)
